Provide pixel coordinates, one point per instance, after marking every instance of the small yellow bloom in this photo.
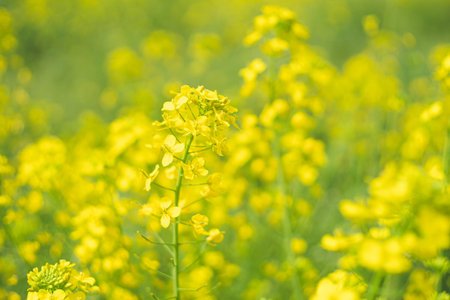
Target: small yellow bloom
(176, 103)
(215, 236)
(275, 47)
(168, 212)
(146, 210)
(171, 172)
(58, 295)
(59, 282)
(199, 222)
(171, 147)
(298, 246)
(214, 186)
(151, 177)
(195, 168)
(198, 126)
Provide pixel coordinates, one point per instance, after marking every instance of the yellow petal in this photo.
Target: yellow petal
(77, 296)
(202, 120)
(167, 159)
(182, 100)
(43, 295)
(148, 185)
(58, 295)
(215, 236)
(199, 219)
(170, 141)
(155, 172)
(178, 148)
(165, 204)
(188, 174)
(146, 210)
(203, 172)
(168, 106)
(32, 296)
(174, 211)
(165, 220)
(91, 280)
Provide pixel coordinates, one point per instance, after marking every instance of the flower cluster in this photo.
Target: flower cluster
(340, 285)
(335, 186)
(196, 120)
(404, 224)
(59, 281)
(277, 148)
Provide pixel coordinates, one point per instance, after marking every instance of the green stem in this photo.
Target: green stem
(287, 234)
(286, 223)
(281, 182)
(375, 285)
(445, 156)
(176, 244)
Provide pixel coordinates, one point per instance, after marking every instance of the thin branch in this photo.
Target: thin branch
(163, 187)
(190, 243)
(195, 201)
(161, 273)
(192, 290)
(195, 118)
(153, 242)
(186, 223)
(201, 150)
(176, 157)
(195, 184)
(162, 242)
(173, 133)
(154, 296)
(202, 251)
(181, 116)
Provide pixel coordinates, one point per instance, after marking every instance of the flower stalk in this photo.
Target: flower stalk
(176, 244)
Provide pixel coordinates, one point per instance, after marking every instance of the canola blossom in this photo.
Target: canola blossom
(224, 150)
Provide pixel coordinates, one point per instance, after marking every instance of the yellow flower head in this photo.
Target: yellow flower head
(199, 222)
(213, 187)
(59, 281)
(151, 178)
(215, 236)
(195, 168)
(340, 285)
(171, 147)
(198, 112)
(168, 212)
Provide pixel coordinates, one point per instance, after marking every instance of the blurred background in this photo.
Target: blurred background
(69, 69)
(102, 56)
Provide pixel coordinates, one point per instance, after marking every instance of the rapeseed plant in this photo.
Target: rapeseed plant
(195, 121)
(334, 186)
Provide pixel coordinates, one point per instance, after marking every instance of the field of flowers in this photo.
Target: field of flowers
(233, 149)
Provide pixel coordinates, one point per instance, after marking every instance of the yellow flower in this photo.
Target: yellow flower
(58, 282)
(275, 47)
(214, 186)
(340, 285)
(215, 236)
(171, 147)
(176, 103)
(151, 177)
(195, 168)
(76, 296)
(199, 222)
(168, 212)
(198, 126)
(219, 146)
(145, 210)
(298, 246)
